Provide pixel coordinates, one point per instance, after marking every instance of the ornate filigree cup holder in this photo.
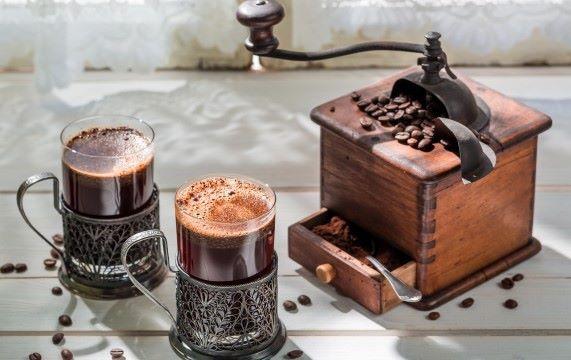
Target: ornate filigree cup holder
(238, 321)
(91, 256)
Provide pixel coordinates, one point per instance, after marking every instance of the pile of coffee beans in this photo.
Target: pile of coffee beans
(410, 118)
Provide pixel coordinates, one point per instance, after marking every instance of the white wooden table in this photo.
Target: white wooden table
(257, 124)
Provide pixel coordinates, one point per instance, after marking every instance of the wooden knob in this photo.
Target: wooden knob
(325, 273)
(260, 16)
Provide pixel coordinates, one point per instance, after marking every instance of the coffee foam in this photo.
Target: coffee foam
(222, 207)
(108, 152)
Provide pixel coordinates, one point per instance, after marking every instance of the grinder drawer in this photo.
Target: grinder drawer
(347, 274)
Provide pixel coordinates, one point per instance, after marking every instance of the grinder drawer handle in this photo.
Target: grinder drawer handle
(325, 273)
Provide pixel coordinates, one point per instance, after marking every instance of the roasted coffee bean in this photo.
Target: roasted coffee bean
(510, 304)
(332, 109)
(364, 103)
(58, 239)
(507, 283)
(417, 104)
(304, 300)
(404, 105)
(410, 110)
(54, 253)
(57, 291)
(294, 354)
(400, 100)
(383, 100)
(57, 338)
(116, 353)
(517, 277)
(50, 263)
(421, 113)
(375, 99)
(366, 122)
(290, 305)
(35, 356)
(391, 106)
(402, 136)
(7, 268)
(428, 132)
(434, 315)
(355, 96)
(424, 143)
(66, 354)
(399, 115)
(384, 118)
(65, 320)
(390, 114)
(397, 129)
(411, 128)
(412, 142)
(467, 302)
(20, 267)
(377, 114)
(408, 117)
(417, 134)
(427, 123)
(371, 108)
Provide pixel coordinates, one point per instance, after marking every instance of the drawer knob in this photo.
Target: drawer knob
(325, 273)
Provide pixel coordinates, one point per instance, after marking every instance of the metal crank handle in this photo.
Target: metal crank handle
(404, 292)
(132, 241)
(28, 183)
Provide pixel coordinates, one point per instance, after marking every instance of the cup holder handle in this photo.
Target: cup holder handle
(32, 180)
(138, 238)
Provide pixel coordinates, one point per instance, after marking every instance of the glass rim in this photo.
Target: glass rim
(227, 176)
(104, 116)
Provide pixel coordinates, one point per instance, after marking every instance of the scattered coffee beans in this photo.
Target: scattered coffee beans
(510, 304)
(50, 263)
(507, 283)
(290, 305)
(57, 291)
(57, 338)
(58, 239)
(466, 303)
(20, 267)
(66, 354)
(35, 356)
(434, 315)
(366, 122)
(304, 300)
(517, 277)
(54, 254)
(355, 96)
(7, 268)
(65, 320)
(294, 354)
(116, 353)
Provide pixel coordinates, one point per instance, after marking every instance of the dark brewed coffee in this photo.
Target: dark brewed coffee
(225, 229)
(108, 172)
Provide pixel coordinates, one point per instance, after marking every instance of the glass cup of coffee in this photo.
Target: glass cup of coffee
(108, 194)
(225, 239)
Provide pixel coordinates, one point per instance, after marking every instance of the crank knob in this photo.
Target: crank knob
(260, 16)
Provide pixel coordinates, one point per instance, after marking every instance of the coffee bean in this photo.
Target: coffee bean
(427, 123)
(391, 106)
(402, 136)
(400, 100)
(375, 99)
(507, 283)
(410, 110)
(517, 277)
(384, 118)
(57, 338)
(377, 114)
(371, 108)
(65, 320)
(364, 103)
(428, 131)
(57, 291)
(332, 109)
(7, 268)
(408, 117)
(399, 115)
(510, 304)
(54, 253)
(390, 114)
(467, 302)
(304, 300)
(294, 354)
(35, 356)
(290, 305)
(417, 134)
(20, 267)
(116, 353)
(417, 104)
(416, 123)
(421, 113)
(412, 142)
(66, 354)
(50, 263)
(434, 315)
(355, 96)
(411, 128)
(383, 100)
(58, 239)
(366, 122)
(397, 129)
(404, 105)
(424, 143)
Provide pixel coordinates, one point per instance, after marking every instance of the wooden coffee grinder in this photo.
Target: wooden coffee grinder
(460, 209)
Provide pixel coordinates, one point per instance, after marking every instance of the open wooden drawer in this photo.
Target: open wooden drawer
(348, 275)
